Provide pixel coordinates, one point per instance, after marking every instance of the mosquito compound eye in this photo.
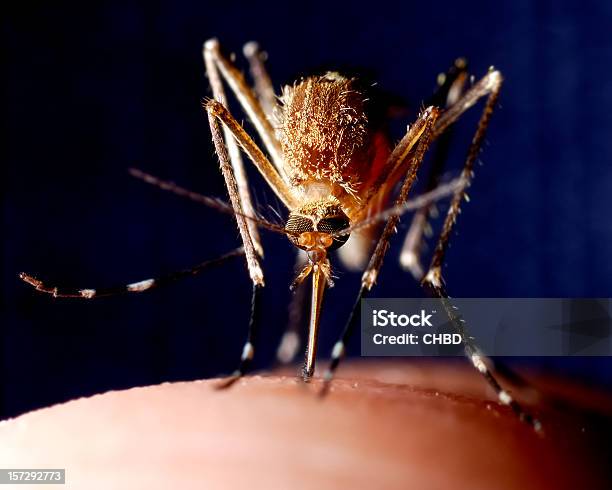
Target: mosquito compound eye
(333, 225)
(297, 224)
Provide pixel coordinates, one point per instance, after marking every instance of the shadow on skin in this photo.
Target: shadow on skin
(382, 425)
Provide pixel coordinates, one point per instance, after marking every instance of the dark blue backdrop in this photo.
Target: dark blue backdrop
(92, 90)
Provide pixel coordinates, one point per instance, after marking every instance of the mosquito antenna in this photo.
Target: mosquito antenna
(278, 207)
(276, 213)
(422, 200)
(211, 202)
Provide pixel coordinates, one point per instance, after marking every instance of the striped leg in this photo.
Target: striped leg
(248, 350)
(450, 88)
(371, 273)
(240, 199)
(233, 171)
(480, 361)
(135, 287)
(433, 279)
(490, 85)
(226, 143)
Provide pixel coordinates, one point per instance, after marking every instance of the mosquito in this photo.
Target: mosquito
(337, 176)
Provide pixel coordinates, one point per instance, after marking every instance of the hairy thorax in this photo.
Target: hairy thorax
(324, 136)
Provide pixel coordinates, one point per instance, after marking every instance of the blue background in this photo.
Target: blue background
(92, 89)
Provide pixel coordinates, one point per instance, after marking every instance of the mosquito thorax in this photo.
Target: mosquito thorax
(312, 225)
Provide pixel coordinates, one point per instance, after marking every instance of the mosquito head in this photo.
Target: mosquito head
(311, 227)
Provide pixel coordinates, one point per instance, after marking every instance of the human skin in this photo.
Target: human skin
(382, 425)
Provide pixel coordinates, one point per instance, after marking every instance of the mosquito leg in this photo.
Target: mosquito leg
(218, 111)
(234, 155)
(255, 270)
(487, 85)
(340, 346)
(263, 85)
(135, 287)
(433, 279)
(492, 83)
(401, 154)
(237, 187)
(246, 97)
(370, 274)
(450, 88)
(480, 361)
(248, 349)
